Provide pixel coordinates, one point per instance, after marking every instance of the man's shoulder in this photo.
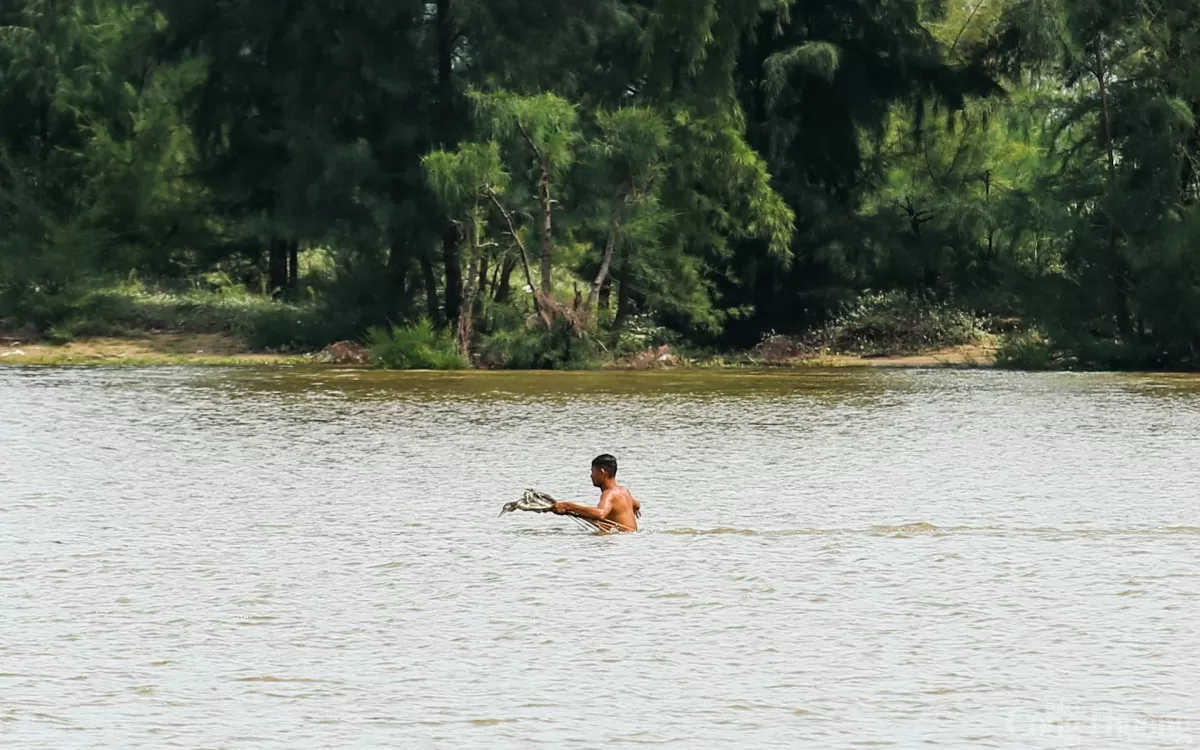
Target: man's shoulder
(618, 490)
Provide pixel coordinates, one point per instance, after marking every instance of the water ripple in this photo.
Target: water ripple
(312, 559)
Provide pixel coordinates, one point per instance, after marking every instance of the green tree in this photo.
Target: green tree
(311, 120)
(92, 157)
(1119, 171)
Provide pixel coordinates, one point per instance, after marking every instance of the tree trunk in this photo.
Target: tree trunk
(1191, 145)
(398, 260)
(397, 270)
(448, 128)
(614, 226)
(991, 232)
(453, 269)
(399, 264)
(516, 236)
(605, 292)
(465, 311)
(1191, 153)
(504, 288)
(293, 266)
(445, 66)
(491, 291)
(547, 227)
(624, 277)
(1124, 317)
(1120, 274)
(276, 267)
(432, 306)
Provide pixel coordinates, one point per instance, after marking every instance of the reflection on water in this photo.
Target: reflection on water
(835, 559)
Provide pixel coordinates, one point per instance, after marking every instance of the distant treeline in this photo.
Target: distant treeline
(512, 172)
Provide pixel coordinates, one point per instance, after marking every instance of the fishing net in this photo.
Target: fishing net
(533, 501)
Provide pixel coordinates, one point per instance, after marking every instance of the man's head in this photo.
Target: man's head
(604, 469)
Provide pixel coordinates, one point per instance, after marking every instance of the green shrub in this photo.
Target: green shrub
(897, 323)
(501, 316)
(1094, 353)
(1077, 350)
(418, 347)
(287, 328)
(559, 348)
(641, 332)
(1027, 350)
(24, 303)
(1032, 350)
(514, 349)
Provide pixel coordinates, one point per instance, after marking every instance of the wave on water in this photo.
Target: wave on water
(273, 678)
(924, 528)
(903, 529)
(919, 527)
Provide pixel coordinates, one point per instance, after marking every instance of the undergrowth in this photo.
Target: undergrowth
(895, 323)
(417, 347)
(132, 309)
(561, 347)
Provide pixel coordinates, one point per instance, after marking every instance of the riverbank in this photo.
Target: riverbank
(159, 349)
(151, 349)
(968, 356)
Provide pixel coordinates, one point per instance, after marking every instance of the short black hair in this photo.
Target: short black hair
(606, 463)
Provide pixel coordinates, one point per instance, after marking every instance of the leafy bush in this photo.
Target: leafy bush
(1027, 350)
(418, 347)
(500, 316)
(1032, 350)
(897, 323)
(641, 332)
(561, 347)
(22, 303)
(1094, 353)
(287, 328)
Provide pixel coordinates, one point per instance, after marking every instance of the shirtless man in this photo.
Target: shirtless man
(617, 510)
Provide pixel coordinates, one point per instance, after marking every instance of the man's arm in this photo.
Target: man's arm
(599, 513)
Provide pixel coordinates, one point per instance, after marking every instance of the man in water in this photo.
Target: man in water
(617, 510)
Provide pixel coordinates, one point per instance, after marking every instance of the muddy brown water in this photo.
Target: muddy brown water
(286, 558)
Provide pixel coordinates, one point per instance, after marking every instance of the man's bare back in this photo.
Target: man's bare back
(618, 509)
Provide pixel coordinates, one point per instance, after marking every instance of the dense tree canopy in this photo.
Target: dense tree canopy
(721, 168)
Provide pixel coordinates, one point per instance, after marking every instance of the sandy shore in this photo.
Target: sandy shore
(958, 356)
(216, 349)
(152, 349)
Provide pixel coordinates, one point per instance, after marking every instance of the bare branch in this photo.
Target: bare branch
(529, 140)
(512, 230)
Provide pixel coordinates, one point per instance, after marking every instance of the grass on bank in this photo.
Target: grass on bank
(254, 329)
(130, 310)
(156, 349)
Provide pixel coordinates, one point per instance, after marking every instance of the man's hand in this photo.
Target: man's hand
(587, 513)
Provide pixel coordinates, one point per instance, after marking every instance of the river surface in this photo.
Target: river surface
(206, 558)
